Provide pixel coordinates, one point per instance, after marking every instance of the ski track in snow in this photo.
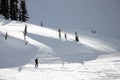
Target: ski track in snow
(96, 44)
(93, 70)
(17, 32)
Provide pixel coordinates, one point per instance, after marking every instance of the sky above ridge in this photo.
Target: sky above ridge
(102, 15)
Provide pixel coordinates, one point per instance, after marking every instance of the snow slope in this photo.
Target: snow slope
(94, 57)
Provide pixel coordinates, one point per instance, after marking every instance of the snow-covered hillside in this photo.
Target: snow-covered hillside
(94, 57)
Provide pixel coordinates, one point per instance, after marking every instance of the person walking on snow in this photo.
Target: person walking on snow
(6, 35)
(25, 32)
(36, 63)
(59, 31)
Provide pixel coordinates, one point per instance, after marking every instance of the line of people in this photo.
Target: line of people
(65, 35)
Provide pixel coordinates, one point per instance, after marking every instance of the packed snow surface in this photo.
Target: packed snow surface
(94, 57)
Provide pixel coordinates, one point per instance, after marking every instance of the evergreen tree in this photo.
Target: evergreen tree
(11, 9)
(20, 18)
(14, 9)
(0, 7)
(23, 16)
(4, 8)
(2, 4)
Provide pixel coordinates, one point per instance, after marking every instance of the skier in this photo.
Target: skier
(36, 63)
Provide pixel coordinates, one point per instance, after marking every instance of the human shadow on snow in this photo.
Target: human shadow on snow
(69, 51)
(14, 53)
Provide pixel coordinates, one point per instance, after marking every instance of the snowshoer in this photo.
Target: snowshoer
(59, 30)
(76, 37)
(65, 36)
(6, 35)
(41, 24)
(25, 32)
(36, 63)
